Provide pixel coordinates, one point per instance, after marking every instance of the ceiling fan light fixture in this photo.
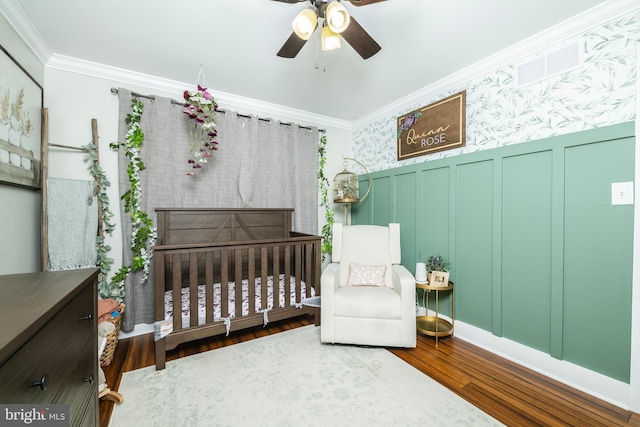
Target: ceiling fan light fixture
(304, 24)
(330, 40)
(337, 17)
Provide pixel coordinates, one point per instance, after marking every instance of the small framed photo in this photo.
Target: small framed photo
(439, 278)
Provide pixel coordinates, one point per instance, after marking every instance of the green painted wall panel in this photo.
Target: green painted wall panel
(474, 247)
(435, 222)
(526, 239)
(361, 212)
(381, 200)
(597, 258)
(405, 189)
(435, 213)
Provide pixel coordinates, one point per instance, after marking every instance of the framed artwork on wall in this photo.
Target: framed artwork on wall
(20, 124)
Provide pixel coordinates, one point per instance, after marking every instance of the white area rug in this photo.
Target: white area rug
(290, 379)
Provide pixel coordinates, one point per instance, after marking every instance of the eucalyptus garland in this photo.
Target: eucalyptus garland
(143, 233)
(106, 289)
(327, 229)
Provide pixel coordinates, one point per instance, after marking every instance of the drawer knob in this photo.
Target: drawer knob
(44, 381)
(87, 317)
(89, 379)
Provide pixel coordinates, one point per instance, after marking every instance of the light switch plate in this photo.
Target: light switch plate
(622, 193)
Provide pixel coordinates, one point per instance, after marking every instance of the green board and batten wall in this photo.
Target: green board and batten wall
(538, 253)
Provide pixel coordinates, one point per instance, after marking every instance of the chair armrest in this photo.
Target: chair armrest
(329, 284)
(405, 283)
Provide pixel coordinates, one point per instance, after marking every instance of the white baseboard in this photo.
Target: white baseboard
(598, 385)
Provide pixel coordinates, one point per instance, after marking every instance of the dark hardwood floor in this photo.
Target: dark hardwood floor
(514, 395)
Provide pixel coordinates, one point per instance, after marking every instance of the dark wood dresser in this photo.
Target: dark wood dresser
(49, 341)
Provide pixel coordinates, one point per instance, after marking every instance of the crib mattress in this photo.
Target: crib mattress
(186, 314)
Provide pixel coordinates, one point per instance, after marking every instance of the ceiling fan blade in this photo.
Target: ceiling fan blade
(296, 1)
(292, 46)
(357, 2)
(360, 40)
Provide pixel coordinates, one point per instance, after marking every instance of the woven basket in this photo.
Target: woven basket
(112, 339)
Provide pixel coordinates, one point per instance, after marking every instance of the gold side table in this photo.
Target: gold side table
(436, 326)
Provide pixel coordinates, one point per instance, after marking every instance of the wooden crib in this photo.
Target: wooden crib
(201, 256)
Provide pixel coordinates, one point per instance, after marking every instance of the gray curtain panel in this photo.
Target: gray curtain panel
(281, 170)
(259, 163)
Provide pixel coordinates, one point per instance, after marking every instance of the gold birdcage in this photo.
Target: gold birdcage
(346, 188)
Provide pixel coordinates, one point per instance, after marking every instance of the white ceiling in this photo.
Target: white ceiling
(236, 41)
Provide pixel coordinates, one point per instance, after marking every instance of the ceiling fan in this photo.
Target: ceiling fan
(336, 22)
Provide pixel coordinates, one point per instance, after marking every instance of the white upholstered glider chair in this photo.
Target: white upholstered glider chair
(368, 298)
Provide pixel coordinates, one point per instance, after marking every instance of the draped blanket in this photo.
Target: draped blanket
(72, 224)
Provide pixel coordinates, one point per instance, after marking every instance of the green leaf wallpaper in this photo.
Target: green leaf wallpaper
(599, 92)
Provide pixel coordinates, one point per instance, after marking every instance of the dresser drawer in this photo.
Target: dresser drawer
(62, 354)
(79, 391)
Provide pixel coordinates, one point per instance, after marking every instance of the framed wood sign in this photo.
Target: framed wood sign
(20, 124)
(436, 127)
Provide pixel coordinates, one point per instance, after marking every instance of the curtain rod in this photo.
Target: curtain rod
(114, 90)
(281, 123)
(174, 102)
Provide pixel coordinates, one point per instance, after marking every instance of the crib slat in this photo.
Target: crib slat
(193, 288)
(224, 283)
(276, 278)
(298, 270)
(238, 280)
(287, 272)
(318, 272)
(177, 291)
(251, 276)
(208, 286)
(308, 259)
(264, 269)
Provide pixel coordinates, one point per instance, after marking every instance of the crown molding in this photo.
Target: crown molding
(22, 24)
(566, 30)
(226, 100)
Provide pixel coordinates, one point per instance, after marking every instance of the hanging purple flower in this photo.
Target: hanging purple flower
(200, 106)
